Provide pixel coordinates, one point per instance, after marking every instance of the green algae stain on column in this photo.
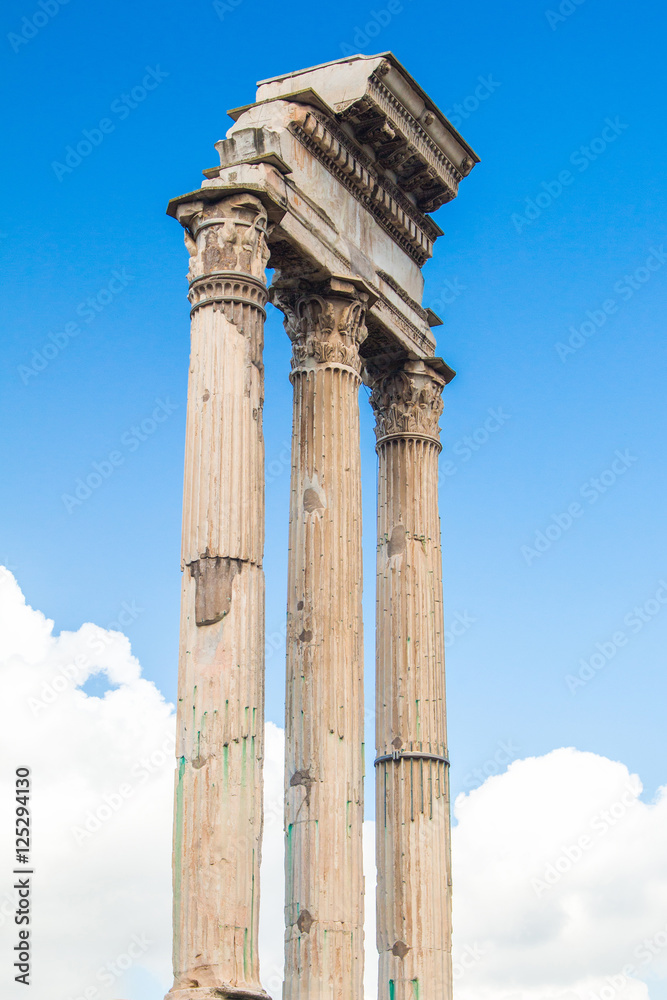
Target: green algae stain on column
(248, 971)
(178, 826)
(225, 767)
(178, 850)
(288, 846)
(244, 763)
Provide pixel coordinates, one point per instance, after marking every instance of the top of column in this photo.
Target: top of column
(387, 111)
(348, 159)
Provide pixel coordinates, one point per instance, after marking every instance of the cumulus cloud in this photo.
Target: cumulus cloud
(102, 779)
(560, 883)
(560, 869)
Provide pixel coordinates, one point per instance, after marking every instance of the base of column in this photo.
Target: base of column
(224, 992)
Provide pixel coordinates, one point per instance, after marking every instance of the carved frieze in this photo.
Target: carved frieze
(393, 210)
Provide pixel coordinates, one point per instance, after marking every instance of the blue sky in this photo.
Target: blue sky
(530, 253)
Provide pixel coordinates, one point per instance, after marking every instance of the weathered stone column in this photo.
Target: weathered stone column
(218, 812)
(325, 705)
(412, 807)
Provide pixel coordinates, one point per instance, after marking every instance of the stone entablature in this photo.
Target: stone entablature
(349, 158)
(389, 112)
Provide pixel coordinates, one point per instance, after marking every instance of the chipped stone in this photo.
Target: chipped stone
(214, 578)
(312, 501)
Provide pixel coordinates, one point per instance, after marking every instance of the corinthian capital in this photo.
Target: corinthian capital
(326, 324)
(407, 402)
(226, 236)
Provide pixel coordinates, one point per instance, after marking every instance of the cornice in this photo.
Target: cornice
(404, 146)
(402, 294)
(413, 232)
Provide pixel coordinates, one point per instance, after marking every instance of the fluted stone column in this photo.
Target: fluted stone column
(218, 811)
(325, 706)
(412, 807)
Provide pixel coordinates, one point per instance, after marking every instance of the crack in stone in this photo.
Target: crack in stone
(302, 777)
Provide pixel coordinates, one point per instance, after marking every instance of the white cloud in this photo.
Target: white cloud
(560, 877)
(560, 870)
(271, 941)
(102, 778)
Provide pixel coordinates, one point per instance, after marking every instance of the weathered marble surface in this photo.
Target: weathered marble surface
(328, 177)
(220, 734)
(324, 804)
(412, 786)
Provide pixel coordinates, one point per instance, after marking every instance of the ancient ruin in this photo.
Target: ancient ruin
(328, 178)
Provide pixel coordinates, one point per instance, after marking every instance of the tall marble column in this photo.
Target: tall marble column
(412, 802)
(220, 740)
(325, 706)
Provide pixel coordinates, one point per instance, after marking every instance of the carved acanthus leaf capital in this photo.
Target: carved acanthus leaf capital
(326, 327)
(226, 236)
(407, 402)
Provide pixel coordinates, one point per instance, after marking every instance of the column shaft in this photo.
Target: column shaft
(324, 704)
(220, 738)
(412, 795)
